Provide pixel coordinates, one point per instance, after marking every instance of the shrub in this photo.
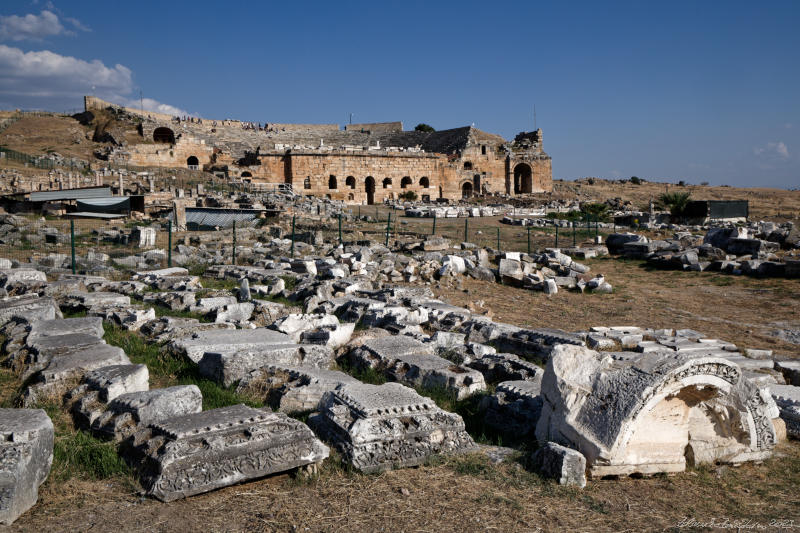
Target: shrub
(424, 127)
(636, 180)
(676, 202)
(408, 195)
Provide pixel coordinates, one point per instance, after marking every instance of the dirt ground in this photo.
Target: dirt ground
(765, 203)
(467, 493)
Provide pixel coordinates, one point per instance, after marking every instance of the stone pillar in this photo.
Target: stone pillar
(121, 186)
(179, 210)
(152, 185)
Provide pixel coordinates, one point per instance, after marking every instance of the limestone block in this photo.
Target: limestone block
(295, 324)
(26, 448)
(115, 380)
(380, 427)
(86, 300)
(514, 408)
(91, 326)
(497, 367)
(227, 341)
(231, 366)
(565, 465)
(169, 328)
(129, 411)
(787, 398)
(31, 307)
(237, 313)
(294, 389)
(197, 453)
(175, 300)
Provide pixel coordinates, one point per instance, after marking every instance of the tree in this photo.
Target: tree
(636, 180)
(424, 127)
(410, 196)
(676, 202)
(597, 211)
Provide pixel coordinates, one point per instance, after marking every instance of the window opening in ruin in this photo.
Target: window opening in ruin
(247, 174)
(467, 165)
(405, 182)
(192, 162)
(307, 183)
(476, 182)
(351, 196)
(164, 135)
(369, 188)
(523, 179)
(332, 182)
(350, 182)
(483, 149)
(424, 183)
(387, 183)
(426, 197)
(466, 190)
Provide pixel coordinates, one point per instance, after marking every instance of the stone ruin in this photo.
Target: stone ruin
(605, 402)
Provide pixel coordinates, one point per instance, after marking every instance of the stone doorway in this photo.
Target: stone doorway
(369, 188)
(523, 179)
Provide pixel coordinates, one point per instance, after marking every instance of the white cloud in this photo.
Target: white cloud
(153, 105)
(77, 24)
(46, 80)
(772, 149)
(31, 27)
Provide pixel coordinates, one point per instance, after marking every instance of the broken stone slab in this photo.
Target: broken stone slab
(333, 337)
(653, 412)
(43, 349)
(514, 409)
(225, 341)
(236, 313)
(175, 300)
(211, 304)
(41, 329)
(130, 318)
(293, 389)
(230, 367)
(127, 412)
(21, 280)
(563, 464)
(162, 272)
(295, 324)
(29, 306)
(82, 301)
(65, 369)
(433, 372)
(497, 367)
(790, 371)
(381, 351)
(381, 427)
(115, 380)
(169, 328)
(197, 453)
(787, 398)
(26, 448)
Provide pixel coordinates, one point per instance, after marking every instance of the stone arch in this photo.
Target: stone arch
(350, 181)
(247, 174)
(523, 179)
(686, 409)
(369, 188)
(387, 183)
(466, 189)
(332, 182)
(405, 182)
(163, 135)
(192, 162)
(424, 182)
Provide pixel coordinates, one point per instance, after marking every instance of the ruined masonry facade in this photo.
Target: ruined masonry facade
(364, 163)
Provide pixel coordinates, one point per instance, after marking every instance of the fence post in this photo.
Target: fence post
(466, 229)
(529, 240)
(340, 228)
(388, 225)
(434, 225)
(293, 235)
(72, 242)
(556, 236)
(234, 242)
(573, 234)
(596, 226)
(169, 249)
(498, 239)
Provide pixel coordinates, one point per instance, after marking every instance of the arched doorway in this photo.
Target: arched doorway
(164, 135)
(466, 190)
(424, 183)
(350, 182)
(523, 179)
(476, 183)
(369, 188)
(332, 182)
(387, 183)
(192, 162)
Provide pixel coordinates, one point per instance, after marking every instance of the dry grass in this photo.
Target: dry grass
(42, 135)
(765, 203)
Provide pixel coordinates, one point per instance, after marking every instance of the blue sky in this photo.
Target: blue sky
(695, 91)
